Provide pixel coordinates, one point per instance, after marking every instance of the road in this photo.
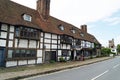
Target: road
(105, 70)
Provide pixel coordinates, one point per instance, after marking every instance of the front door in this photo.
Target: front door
(2, 57)
(53, 55)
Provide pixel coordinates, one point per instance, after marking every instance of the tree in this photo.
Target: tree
(118, 48)
(105, 51)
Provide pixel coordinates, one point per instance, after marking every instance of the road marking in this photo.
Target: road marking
(99, 75)
(116, 66)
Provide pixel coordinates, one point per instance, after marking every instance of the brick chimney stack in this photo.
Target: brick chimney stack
(84, 28)
(43, 7)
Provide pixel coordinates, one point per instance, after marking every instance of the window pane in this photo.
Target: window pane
(23, 53)
(28, 53)
(10, 53)
(33, 53)
(17, 53)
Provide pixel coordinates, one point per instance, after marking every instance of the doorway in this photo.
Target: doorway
(2, 62)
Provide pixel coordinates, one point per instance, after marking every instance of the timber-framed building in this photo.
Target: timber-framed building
(29, 36)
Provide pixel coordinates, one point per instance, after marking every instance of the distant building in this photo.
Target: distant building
(29, 36)
(112, 46)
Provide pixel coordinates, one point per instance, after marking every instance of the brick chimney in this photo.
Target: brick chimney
(43, 7)
(84, 28)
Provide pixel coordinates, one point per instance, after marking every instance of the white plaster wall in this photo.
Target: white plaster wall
(11, 28)
(68, 46)
(23, 43)
(64, 46)
(3, 35)
(47, 41)
(47, 46)
(58, 41)
(38, 44)
(70, 53)
(23, 62)
(39, 53)
(59, 52)
(68, 58)
(41, 45)
(41, 34)
(31, 61)
(16, 40)
(32, 44)
(54, 36)
(54, 46)
(58, 46)
(41, 40)
(39, 60)
(11, 63)
(54, 41)
(2, 42)
(47, 35)
(10, 44)
(11, 36)
(4, 27)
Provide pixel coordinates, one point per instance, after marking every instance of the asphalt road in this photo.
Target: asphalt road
(105, 70)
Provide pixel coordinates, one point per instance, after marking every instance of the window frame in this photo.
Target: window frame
(27, 17)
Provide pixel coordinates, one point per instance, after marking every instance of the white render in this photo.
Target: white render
(54, 46)
(39, 60)
(23, 43)
(10, 44)
(31, 61)
(11, 63)
(11, 36)
(11, 28)
(3, 43)
(54, 36)
(22, 62)
(47, 35)
(3, 35)
(32, 44)
(47, 40)
(59, 53)
(39, 53)
(4, 27)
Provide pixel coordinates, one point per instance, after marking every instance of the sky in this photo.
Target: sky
(102, 17)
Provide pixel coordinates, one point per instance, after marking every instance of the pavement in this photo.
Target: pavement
(39, 71)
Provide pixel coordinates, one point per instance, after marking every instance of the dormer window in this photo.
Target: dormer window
(82, 34)
(61, 27)
(73, 31)
(27, 17)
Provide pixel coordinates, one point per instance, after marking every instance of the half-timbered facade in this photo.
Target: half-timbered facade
(29, 36)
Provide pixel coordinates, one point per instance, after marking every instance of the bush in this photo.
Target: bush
(62, 59)
(52, 61)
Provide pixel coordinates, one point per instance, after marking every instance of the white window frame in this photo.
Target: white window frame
(27, 17)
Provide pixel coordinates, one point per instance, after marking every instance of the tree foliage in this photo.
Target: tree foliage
(118, 48)
(105, 51)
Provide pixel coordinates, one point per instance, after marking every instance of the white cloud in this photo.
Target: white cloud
(117, 40)
(79, 12)
(112, 21)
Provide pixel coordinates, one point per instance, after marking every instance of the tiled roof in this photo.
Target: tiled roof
(12, 14)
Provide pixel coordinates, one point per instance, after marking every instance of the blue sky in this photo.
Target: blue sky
(106, 29)
(101, 16)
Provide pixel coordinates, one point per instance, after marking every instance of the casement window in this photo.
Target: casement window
(10, 53)
(81, 34)
(21, 53)
(73, 31)
(24, 32)
(61, 27)
(27, 17)
(65, 53)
